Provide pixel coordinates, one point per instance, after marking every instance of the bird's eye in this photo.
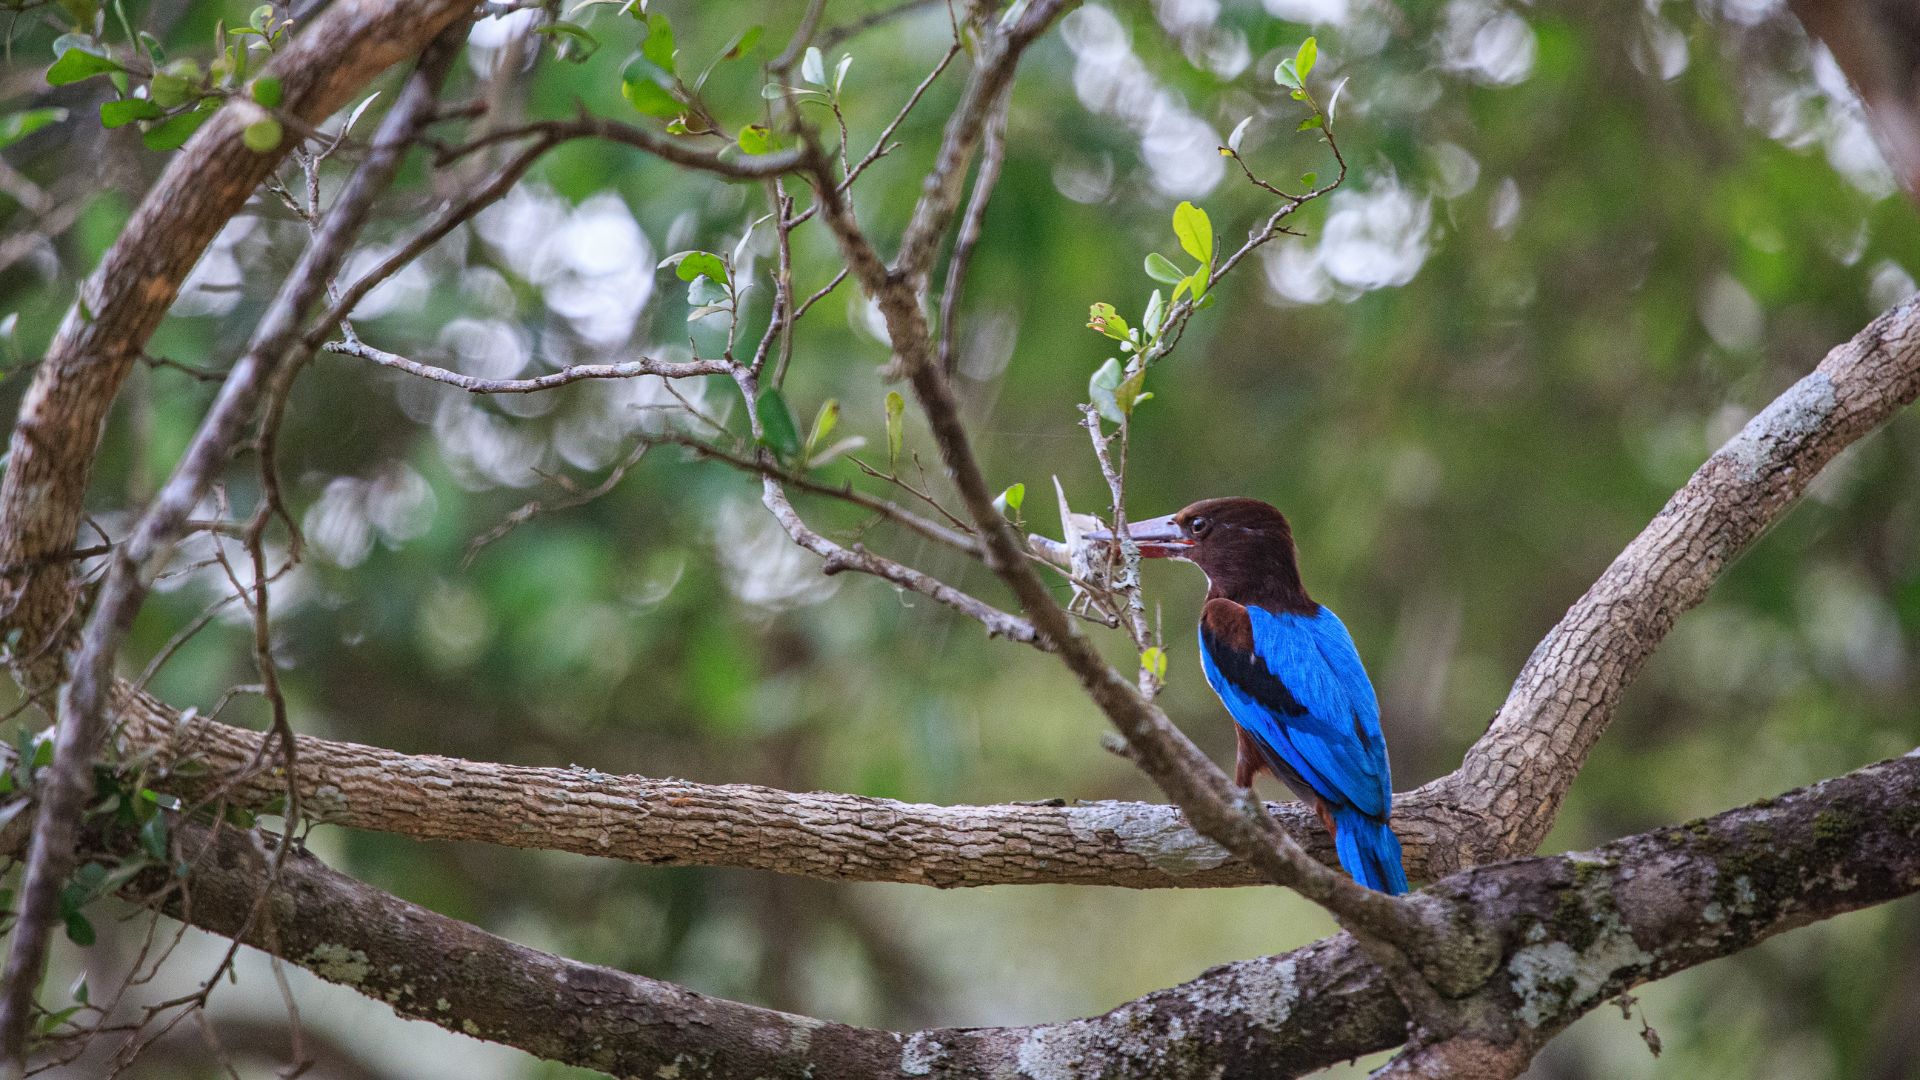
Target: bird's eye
(1199, 526)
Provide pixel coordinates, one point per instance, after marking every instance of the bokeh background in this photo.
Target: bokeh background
(1580, 245)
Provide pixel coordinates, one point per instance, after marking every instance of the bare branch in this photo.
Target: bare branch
(893, 512)
(993, 153)
(838, 34)
(1000, 58)
(733, 166)
(666, 369)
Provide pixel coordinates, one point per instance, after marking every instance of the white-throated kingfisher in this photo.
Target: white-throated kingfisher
(1287, 670)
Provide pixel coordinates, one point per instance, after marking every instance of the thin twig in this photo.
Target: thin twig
(993, 149)
(666, 369)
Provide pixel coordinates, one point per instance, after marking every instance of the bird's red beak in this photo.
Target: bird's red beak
(1158, 538)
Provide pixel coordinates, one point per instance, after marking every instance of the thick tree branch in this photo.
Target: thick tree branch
(1510, 788)
(1560, 936)
(666, 822)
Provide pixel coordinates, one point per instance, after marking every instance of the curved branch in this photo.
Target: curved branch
(51, 454)
(1510, 788)
(1565, 933)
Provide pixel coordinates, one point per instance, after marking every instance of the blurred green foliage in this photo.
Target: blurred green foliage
(1579, 246)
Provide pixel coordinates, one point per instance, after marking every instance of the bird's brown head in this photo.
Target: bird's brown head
(1244, 545)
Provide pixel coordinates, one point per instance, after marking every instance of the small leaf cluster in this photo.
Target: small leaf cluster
(1291, 74)
(653, 81)
(709, 282)
(813, 72)
(118, 802)
(1116, 388)
(170, 99)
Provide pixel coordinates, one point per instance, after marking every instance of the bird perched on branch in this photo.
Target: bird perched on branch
(1287, 670)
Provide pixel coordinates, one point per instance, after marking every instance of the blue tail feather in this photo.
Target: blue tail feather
(1369, 851)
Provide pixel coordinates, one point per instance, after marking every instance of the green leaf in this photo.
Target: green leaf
(169, 90)
(17, 126)
(571, 40)
(1287, 74)
(1128, 394)
(1309, 178)
(261, 18)
(267, 91)
(776, 421)
(79, 930)
(813, 67)
(1103, 319)
(755, 139)
(78, 61)
(1303, 59)
(262, 136)
(1100, 391)
(896, 427)
(1153, 660)
(1161, 269)
(153, 837)
(659, 44)
(742, 43)
(156, 52)
(688, 265)
(648, 88)
(125, 111)
(704, 292)
(840, 73)
(1156, 309)
(1009, 501)
(1195, 230)
(1309, 124)
(824, 422)
(1197, 284)
(173, 132)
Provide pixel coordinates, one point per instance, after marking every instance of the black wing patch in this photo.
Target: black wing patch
(1226, 631)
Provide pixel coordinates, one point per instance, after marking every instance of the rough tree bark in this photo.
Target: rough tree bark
(1552, 938)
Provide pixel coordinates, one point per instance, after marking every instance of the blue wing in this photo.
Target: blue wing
(1302, 692)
